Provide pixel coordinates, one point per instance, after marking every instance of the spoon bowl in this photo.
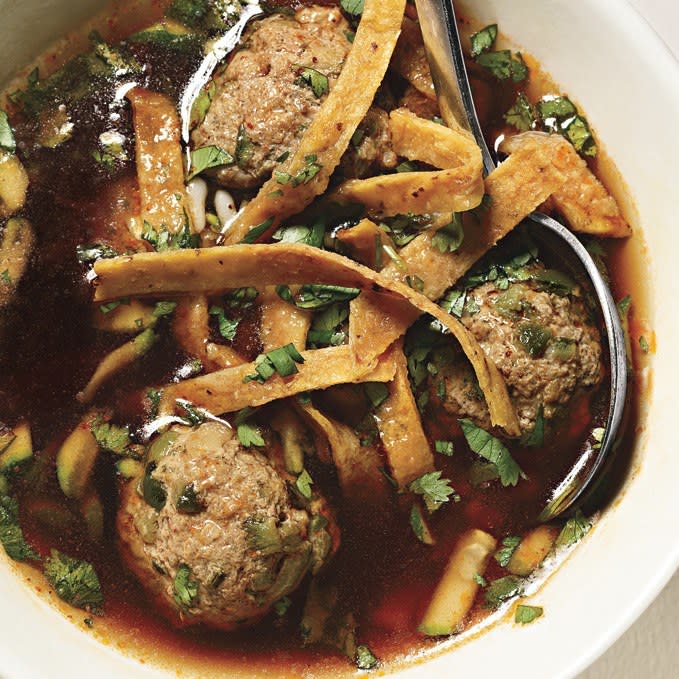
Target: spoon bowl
(449, 72)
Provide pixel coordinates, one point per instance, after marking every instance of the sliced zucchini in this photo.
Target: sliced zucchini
(19, 450)
(92, 512)
(16, 246)
(13, 184)
(76, 459)
(532, 550)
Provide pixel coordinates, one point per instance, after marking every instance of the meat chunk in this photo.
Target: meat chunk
(211, 533)
(543, 342)
(262, 98)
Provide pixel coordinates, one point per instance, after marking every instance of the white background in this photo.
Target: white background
(650, 648)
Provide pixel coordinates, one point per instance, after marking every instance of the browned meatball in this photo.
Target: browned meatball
(261, 94)
(211, 533)
(544, 344)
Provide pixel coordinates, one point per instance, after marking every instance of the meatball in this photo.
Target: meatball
(260, 97)
(542, 339)
(211, 533)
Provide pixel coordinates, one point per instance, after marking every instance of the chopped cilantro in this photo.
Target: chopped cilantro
(11, 534)
(317, 81)
(207, 157)
(304, 483)
(644, 345)
(315, 296)
(163, 240)
(202, 104)
(354, 7)
(483, 40)
(192, 414)
(74, 581)
(527, 614)
(244, 147)
(502, 589)
(281, 360)
(377, 392)
(185, 589)
(307, 235)
(522, 114)
(407, 166)
(304, 176)
(415, 282)
(444, 447)
(419, 526)
(256, 231)
(227, 326)
(365, 658)
(453, 302)
(91, 253)
(154, 396)
(493, 450)
(111, 437)
(504, 554)
(449, 238)
(503, 65)
(480, 580)
(325, 327)
(559, 115)
(5, 277)
(249, 435)
(7, 141)
(241, 298)
(434, 490)
(574, 530)
(164, 308)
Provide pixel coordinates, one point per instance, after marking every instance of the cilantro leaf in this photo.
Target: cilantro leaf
(504, 554)
(493, 450)
(164, 308)
(434, 490)
(325, 327)
(256, 231)
(419, 526)
(244, 147)
(304, 483)
(307, 235)
(11, 534)
(317, 81)
(444, 447)
(281, 360)
(527, 614)
(317, 296)
(503, 65)
(207, 157)
(377, 392)
(450, 237)
(74, 581)
(227, 326)
(502, 589)
(354, 7)
(574, 530)
(365, 658)
(185, 589)
(522, 114)
(483, 40)
(249, 435)
(559, 115)
(7, 141)
(91, 253)
(304, 176)
(111, 437)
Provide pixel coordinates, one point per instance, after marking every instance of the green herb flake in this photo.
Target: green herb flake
(249, 435)
(244, 147)
(5, 277)
(502, 589)
(480, 580)
(450, 237)
(419, 526)
(74, 581)
(304, 483)
(163, 309)
(317, 81)
(503, 65)
(574, 530)
(202, 104)
(87, 254)
(207, 157)
(282, 606)
(281, 360)
(111, 437)
(365, 658)
(644, 345)
(504, 554)
(316, 296)
(526, 614)
(307, 235)
(185, 589)
(493, 450)
(521, 115)
(227, 326)
(256, 231)
(11, 534)
(434, 490)
(483, 40)
(7, 141)
(444, 447)
(377, 393)
(353, 7)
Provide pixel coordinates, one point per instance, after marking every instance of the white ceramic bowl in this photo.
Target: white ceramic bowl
(604, 55)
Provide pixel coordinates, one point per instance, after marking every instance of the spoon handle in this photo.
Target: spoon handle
(448, 70)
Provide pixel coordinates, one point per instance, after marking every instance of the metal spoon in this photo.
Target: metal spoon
(446, 60)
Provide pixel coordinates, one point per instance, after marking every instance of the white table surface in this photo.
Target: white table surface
(650, 648)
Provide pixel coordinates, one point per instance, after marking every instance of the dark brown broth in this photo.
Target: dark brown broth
(384, 574)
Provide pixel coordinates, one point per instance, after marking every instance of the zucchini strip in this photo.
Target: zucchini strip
(13, 184)
(582, 199)
(329, 134)
(225, 391)
(160, 170)
(220, 268)
(400, 427)
(15, 249)
(457, 187)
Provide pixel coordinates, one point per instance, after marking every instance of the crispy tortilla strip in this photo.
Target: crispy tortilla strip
(457, 187)
(224, 391)
(516, 188)
(358, 467)
(582, 199)
(400, 427)
(410, 59)
(364, 243)
(282, 323)
(159, 160)
(328, 136)
(219, 268)
(191, 328)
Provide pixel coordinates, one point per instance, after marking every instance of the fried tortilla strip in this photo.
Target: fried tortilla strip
(364, 242)
(582, 199)
(159, 161)
(358, 467)
(410, 59)
(400, 427)
(219, 268)
(516, 188)
(457, 187)
(191, 328)
(225, 391)
(282, 323)
(307, 173)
